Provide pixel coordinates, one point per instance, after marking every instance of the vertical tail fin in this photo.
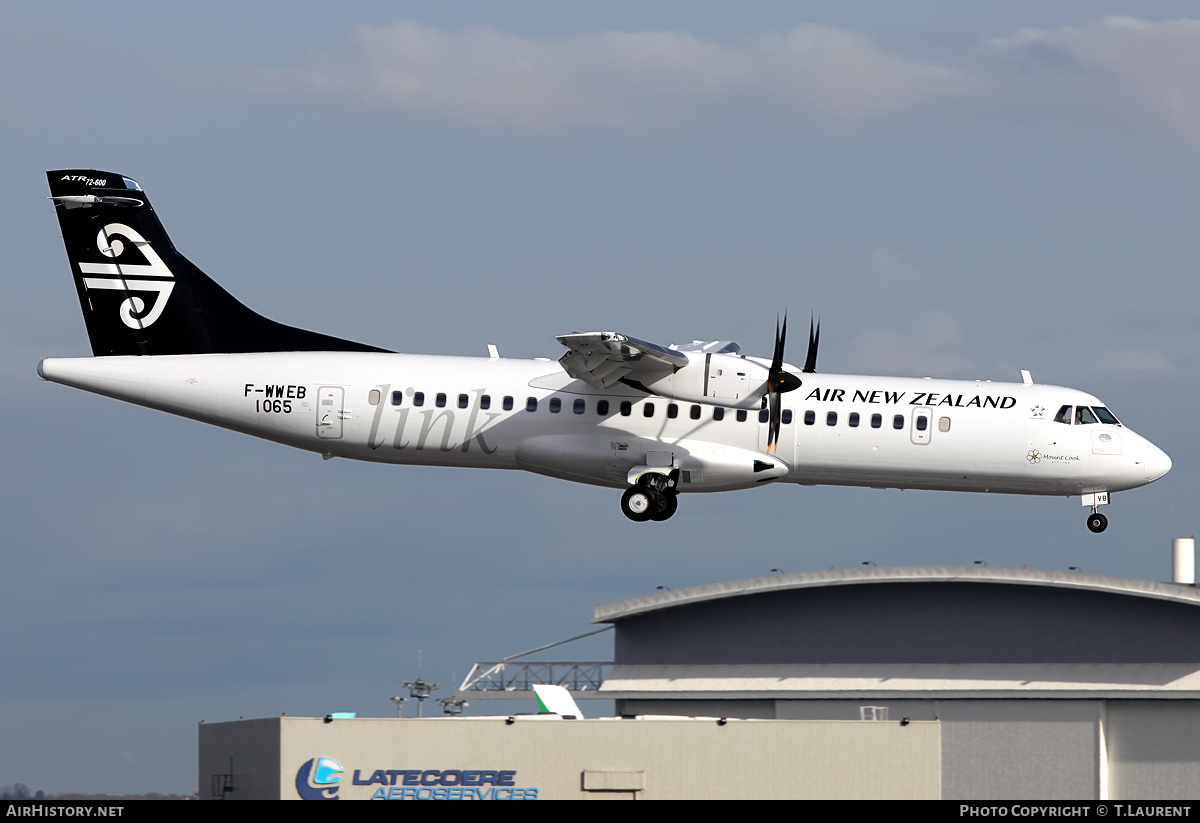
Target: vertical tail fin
(141, 296)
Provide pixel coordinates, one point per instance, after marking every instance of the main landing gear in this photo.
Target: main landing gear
(654, 497)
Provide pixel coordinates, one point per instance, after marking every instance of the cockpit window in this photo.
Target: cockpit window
(1064, 415)
(1106, 416)
(1083, 415)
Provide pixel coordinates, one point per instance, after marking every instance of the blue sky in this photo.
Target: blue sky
(957, 191)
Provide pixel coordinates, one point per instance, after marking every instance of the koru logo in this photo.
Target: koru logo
(127, 277)
(1034, 456)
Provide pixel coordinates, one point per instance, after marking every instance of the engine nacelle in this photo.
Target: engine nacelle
(617, 460)
(715, 379)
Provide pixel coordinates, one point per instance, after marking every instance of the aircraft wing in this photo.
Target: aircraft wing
(602, 358)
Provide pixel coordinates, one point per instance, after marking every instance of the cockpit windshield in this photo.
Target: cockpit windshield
(1085, 415)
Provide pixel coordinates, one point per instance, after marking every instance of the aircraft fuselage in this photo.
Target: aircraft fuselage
(503, 413)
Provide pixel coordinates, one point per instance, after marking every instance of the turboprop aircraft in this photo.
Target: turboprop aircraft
(655, 421)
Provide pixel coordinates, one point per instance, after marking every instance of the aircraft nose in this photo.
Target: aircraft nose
(1157, 463)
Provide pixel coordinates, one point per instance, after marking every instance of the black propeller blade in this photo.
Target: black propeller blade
(814, 340)
(778, 382)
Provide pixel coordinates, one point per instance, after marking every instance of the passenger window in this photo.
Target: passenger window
(741, 416)
(876, 421)
(579, 406)
(602, 407)
(764, 416)
(419, 399)
(485, 402)
(944, 424)
(530, 404)
(648, 410)
(922, 422)
(1064, 415)
(718, 413)
(695, 412)
(672, 410)
(508, 402)
(374, 397)
(786, 417)
(555, 405)
(852, 420)
(397, 398)
(440, 400)
(898, 421)
(626, 408)
(831, 419)
(463, 401)
(810, 417)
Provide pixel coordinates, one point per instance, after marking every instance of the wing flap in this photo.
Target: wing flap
(601, 359)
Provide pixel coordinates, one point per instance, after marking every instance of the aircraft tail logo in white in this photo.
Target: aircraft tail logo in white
(154, 277)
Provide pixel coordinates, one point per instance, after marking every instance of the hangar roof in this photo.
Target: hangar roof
(1173, 592)
(929, 631)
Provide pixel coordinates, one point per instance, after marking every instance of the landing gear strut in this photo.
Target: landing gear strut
(655, 497)
(1096, 522)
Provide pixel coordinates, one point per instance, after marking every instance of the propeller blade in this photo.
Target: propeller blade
(773, 431)
(814, 340)
(778, 382)
(780, 337)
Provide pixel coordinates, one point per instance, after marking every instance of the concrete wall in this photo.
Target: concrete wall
(248, 750)
(991, 749)
(1153, 749)
(585, 759)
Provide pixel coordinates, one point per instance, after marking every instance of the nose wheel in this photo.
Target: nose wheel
(1097, 522)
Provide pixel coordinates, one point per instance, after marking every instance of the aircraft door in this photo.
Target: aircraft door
(922, 426)
(329, 412)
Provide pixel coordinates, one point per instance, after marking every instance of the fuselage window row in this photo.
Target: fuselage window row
(579, 406)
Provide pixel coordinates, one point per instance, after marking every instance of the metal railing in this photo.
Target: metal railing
(511, 677)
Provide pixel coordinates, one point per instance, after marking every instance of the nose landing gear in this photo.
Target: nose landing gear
(654, 497)
(1096, 522)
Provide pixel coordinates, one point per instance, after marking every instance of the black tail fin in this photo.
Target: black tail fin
(139, 295)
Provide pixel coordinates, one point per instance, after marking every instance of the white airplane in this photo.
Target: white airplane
(615, 411)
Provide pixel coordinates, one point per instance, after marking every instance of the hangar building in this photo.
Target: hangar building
(1036, 684)
(1047, 684)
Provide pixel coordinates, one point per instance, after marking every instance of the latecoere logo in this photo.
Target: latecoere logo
(319, 779)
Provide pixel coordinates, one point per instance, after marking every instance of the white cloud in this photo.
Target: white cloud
(1125, 71)
(1118, 67)
(487, 77)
